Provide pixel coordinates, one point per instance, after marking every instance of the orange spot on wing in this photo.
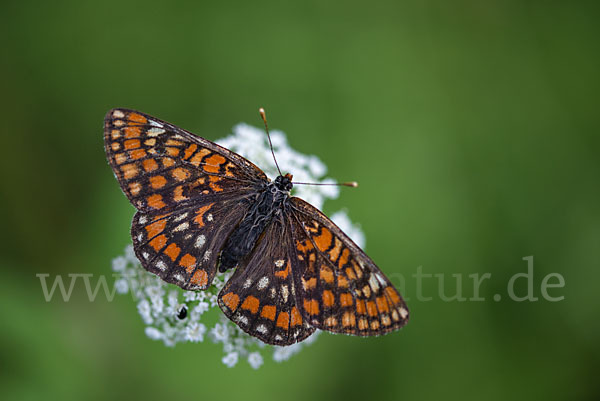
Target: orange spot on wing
(304, 246)
(326, 274)
(156, 201)
(342, 282)
(361, 309)
(155, 228)
(371, 308)
(251, 303)
(167, 162)
(172, 251)
(323, 241)
(158, 243)
(199, 278)
(328, 298)
(350, 273)
(296, 317)
(374, 325)
(348, 319)
(344, 257)
(158, 181)
(363, 324)
(120, 158)
(311, 306)
(138, 118)
(190, 151)
(180, 174)
(346, 299)
(178, 194)
(231, 300)
(132, 144)
(357, 269)
(283, 320)
(132, 132)
(392, 294)
(172, 151)
(197, 158)
(129, 170)
(309, 284)
(268, 312)
(213, 163)
(187, 261)
(330, 321)
(200, 214)
(137, 154)
(213, 180)
(335, 251)
(382, 304)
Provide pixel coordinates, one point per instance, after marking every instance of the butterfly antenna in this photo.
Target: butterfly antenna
(352, 184)
(264, 117)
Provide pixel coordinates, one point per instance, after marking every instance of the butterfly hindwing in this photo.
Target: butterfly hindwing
(160, 166)
(260, 297)
(340, 289)
(182, 246)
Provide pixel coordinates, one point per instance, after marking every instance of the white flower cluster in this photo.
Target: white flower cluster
(173, 315)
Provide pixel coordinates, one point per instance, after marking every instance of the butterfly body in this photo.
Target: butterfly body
(203, 208)
(270, 202)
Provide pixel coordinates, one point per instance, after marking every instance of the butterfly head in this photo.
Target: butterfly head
(284, 182)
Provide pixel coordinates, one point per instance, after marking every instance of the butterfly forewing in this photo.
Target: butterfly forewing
(159, 165)
(340, 289)
(260, 297)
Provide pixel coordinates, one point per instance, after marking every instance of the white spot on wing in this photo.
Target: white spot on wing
(261, 329)
(200, 241)
(279, 263)
(142, 220)
(155, 131)
(181, 217)
(118, 114)
(146, 255)
(263, 282)
(178, 277)
(273, 292)
(161, 265)
(182, 226)
(156, 123)
(209, 217)
(247, 283)
(206, 256)
(373, 282)
(285, 293)
(403, 312)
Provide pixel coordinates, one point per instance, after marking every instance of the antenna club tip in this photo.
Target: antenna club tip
(353, 184)
(261, 110)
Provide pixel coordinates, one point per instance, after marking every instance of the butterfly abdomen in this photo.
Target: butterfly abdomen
(244, 238)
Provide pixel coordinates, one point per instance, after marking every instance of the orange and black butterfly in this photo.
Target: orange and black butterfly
(202, 207)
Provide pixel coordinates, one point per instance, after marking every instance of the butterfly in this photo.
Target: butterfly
(201, 207)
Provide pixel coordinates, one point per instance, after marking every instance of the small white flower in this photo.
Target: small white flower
(190, 296)
(230, 359)
(121, 286)
(220, 333)
(200, 309)
(145, 311)
(119, 264)
(194, 332)
(255, 360)
(153, 333)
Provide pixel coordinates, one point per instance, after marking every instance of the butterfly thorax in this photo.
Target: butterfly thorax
(268, 204)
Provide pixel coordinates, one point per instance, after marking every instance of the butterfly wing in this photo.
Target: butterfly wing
(182, 246)
(260, 297)
(159, 165)
(339, 288)
(190, 194)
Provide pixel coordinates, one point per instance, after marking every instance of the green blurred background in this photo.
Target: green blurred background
(472, 127)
